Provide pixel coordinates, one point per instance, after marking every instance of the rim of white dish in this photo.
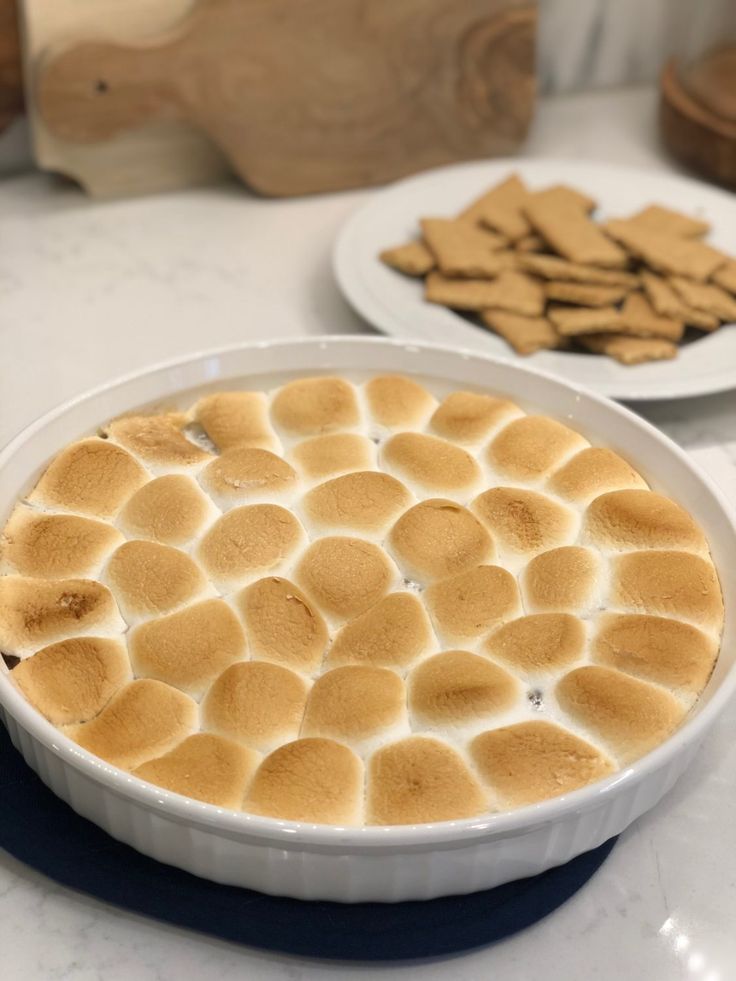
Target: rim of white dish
(628, 383)
(240, 824)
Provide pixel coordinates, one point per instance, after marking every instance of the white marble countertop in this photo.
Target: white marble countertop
(89, 291)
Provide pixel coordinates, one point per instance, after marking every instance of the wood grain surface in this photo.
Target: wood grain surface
(11, 76)
(162, 155)
(311, 96)
(696, 136)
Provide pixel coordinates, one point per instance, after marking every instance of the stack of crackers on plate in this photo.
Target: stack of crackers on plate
(535, 268)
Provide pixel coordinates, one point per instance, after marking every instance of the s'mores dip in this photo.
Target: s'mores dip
(356, 602)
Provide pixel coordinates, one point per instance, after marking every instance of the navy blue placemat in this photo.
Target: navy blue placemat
(40, 830)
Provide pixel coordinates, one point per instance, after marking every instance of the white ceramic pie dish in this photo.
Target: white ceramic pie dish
(375, 863)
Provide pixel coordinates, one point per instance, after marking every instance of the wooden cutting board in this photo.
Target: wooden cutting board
(11, 81)
(304, 96)
(160, 155)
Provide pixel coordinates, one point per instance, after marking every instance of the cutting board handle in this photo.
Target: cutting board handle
(94, 90)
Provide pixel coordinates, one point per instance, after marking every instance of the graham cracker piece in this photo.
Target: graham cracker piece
(630, 350)
(639, 318)
(525, 334)
(725, 277)
(572, 321)
(584, 294)
(668, 304)
(666, 253)
(669, 222)
(571, 233)
(519, 293)
(530, 243)
(705, 296)
(461, 249)
(661, 295)
(566, 196)
(412, 259)
(501, 209)
(552, 267)
(510, 291)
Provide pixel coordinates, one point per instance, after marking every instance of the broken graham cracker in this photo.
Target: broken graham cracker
(661, 295)
(668, 304)
(525, 334)
(530, 243)
(565, 195)
(552, 267)
(511, 291)
(584, 294)
(725, 276)
(669, 222)
(412, 259)
(572, 321)
(462, 250)
(640, 319)
(706, 297)
(666, 253)
(572, 234)
(629, 350)
(500, 209)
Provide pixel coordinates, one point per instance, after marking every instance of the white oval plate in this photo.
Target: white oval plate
(393, 303)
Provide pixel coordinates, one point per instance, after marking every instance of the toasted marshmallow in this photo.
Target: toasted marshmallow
(37, 612)
(249, 542)
(159, 441)
(366, 501)
(430, 465)
(668, 652)
(73, 680)
(538, 644)
(563, 580)
(248, 475)
(330, 602)
(524, 522)
(639, 519)
(532, 761)
(457, 688)
(282, 625)
(469, 417)
(55, 546)
(394, 633)
(259, 704)
(356, 704)
(439, 538)
(94, 477)
(144, 720)
(311, 406)
(470, 604)
(188, 649)
(321, 457)
(528, 449)
(420, 779)
(629, 716)
(233, 419)
(314, 780)
(594, 471)
(148, 579)
(396, 402)
(345, 576)
(172, 510)
(205, 767)
(668, 584)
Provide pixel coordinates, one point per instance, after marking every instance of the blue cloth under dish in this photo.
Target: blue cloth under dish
(45, 833)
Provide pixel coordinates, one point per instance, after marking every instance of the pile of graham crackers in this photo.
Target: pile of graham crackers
(535, 268)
